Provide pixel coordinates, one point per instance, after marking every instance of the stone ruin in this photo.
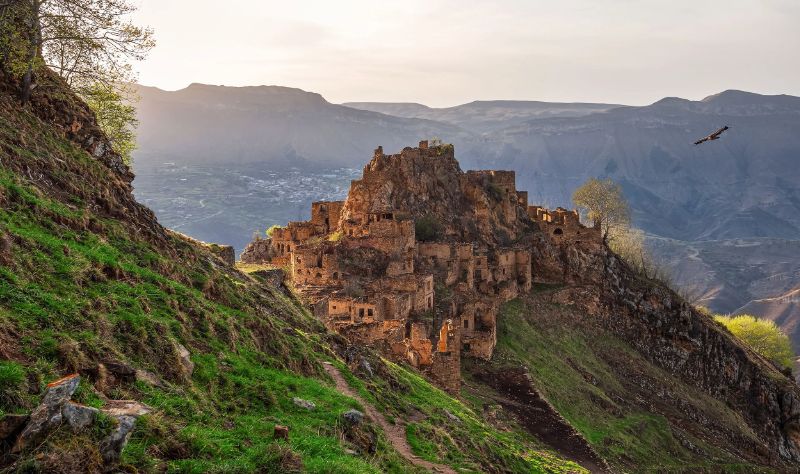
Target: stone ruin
(427, 301)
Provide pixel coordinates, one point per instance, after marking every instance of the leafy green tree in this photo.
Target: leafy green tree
(272, 230)
(115, 114)
(90, 44)
(602, 201)
(84, 41)
(427, 228)
(762, 335)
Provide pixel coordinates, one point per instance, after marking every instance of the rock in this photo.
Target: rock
(149, 378)
(353, 417)
(226, 253)
(366, 367)
(452, 417)
(111, 447)
(281, 432)
(185, 359)
(77, 416)
(120, 369)
(10, 426)
(304, 403)
(117, 408)
(48, 414)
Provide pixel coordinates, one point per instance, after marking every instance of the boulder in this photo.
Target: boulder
(149, 378)
(77, 416)
(111, 447)
(48, 415)
(281, 432)
(118, 408)
(452, 417)
(120, 369)
(353, 417)
(184, 357)
(308, 405)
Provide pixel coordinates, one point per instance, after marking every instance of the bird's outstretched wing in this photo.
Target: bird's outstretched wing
(713, 136)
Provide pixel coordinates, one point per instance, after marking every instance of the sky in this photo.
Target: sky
(447, 52)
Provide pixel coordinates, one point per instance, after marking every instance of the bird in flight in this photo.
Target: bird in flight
(713, 136)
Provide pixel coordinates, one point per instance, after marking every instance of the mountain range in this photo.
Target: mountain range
(724, 216)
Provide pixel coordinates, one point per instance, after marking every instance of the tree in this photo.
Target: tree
(85, 41)
(90, 44)
(272, 229)
(604, 204)
(762, 335)
(427, 228)
(115, 115)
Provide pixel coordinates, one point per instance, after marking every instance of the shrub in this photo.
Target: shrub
(11, 377)
(495, 192)
(427, 228)
(762, 335)
(272, 230)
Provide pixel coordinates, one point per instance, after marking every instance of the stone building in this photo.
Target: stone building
(429, 303)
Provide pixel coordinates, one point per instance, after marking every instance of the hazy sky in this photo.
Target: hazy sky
(446, 52)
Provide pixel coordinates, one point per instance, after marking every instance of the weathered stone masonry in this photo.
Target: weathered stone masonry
(360, 265)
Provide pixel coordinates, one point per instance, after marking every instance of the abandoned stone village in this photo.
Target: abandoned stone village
(419, 257)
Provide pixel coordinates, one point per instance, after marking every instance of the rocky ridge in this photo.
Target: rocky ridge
(477, 208)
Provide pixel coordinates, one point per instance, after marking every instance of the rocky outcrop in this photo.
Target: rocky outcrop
(226, 253)
(673, 335)
(56, 409)
(48, 415)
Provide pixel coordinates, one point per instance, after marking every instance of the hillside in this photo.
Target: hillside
(200, 360)
(455, 274)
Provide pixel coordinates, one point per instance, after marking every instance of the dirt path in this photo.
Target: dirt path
(396, 434)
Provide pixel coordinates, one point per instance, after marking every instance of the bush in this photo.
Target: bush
(427, 228)
(272, 230)
(762, 335)
(11, 377)
(495, 192)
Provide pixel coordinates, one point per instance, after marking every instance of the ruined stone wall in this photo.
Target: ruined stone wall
(373, 271)
(258, 251)
(326, 214)
(563, 225)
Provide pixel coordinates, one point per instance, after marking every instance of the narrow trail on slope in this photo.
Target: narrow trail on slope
(396, 434)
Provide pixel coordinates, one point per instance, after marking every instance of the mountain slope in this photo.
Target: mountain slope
(91, 283)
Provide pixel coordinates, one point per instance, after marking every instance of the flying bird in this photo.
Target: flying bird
(713, 136)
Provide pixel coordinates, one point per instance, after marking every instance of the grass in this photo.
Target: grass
(86, 276)
(466, 442)
(578, 370)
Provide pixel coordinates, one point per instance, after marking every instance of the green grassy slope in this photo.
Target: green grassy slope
(607, 391)
(86, 276)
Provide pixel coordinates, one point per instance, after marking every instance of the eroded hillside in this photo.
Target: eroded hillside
(167, 347)
(420, 259)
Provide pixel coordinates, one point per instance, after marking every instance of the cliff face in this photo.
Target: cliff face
(674, 336)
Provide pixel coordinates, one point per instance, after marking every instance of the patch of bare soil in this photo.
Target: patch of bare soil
(538, 417)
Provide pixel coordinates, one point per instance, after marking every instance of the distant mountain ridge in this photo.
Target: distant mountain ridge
(485, 115)
(278, 125)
